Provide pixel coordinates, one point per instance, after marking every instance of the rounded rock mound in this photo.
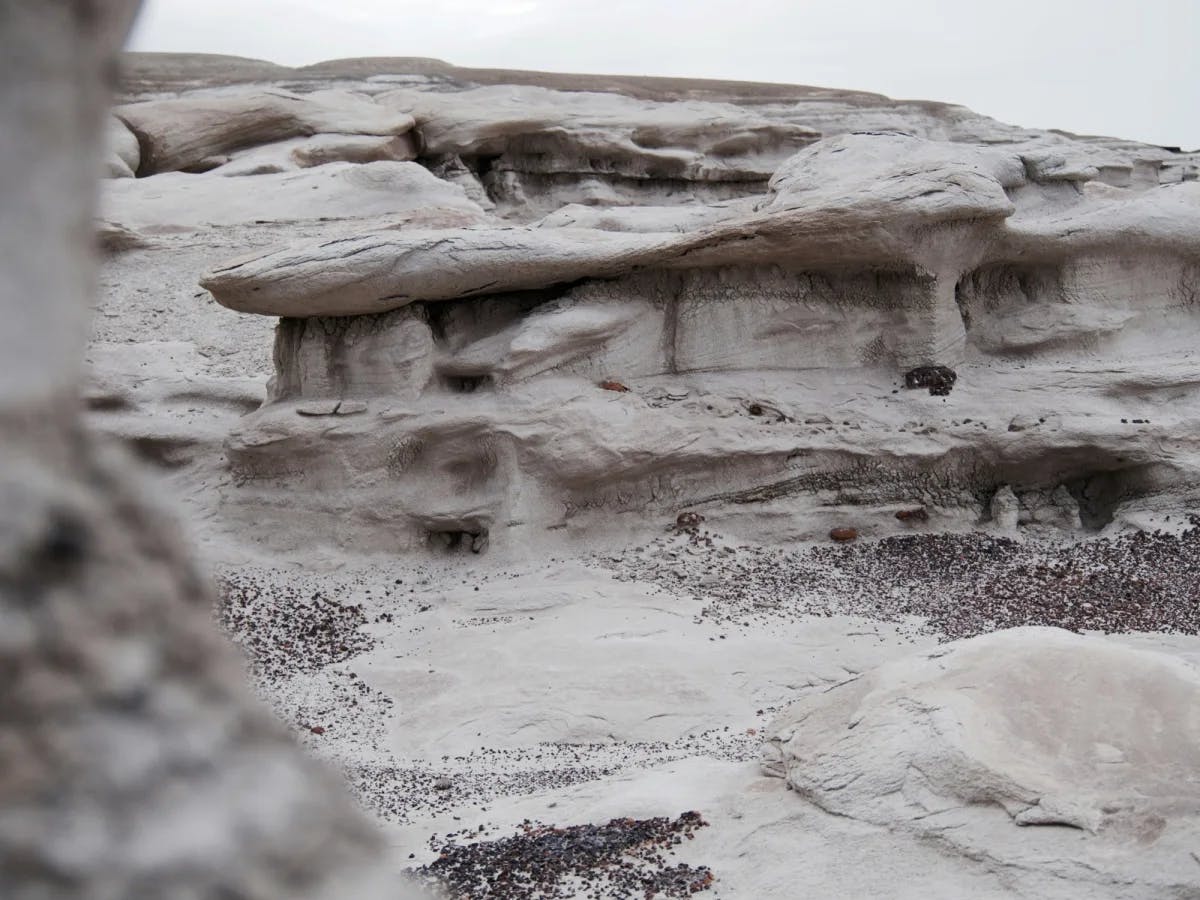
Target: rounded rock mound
(1055, 728)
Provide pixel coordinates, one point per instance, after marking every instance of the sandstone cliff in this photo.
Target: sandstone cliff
(459, 258)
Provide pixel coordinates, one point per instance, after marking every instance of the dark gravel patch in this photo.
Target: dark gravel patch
(939, 379)
(1143, 582)
(288, 629)
(960, 585)
(624, 858)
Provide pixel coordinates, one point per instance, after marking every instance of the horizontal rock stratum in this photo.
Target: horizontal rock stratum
(858, 200)
(460, 258)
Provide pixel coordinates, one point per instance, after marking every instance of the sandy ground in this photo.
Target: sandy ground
(468, 697)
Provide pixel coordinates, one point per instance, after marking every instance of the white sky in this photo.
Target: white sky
(1129, 68)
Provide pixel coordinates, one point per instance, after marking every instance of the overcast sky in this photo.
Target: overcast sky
(1129, 68)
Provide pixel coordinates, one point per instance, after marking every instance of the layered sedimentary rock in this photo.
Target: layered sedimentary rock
(758, 265)
(397, 192)
(198, 132)
(533, 147)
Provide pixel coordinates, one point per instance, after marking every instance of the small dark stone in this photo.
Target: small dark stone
(939, 379)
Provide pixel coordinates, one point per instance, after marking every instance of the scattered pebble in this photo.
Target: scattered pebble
(939, 379)
(285, 630)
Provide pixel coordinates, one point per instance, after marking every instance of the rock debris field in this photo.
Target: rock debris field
(478, 778)
(623, 858)
(956, 585)
(284, 632)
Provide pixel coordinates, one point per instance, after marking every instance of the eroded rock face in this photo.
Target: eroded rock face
(182, 133)
(391, 354)
(533, 148)
(713, 248)
(403, 192)
(1030, 726)
(598, 322)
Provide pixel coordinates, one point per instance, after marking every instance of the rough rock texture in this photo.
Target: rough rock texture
(133, 762)
(403, 192)
(760, 265)
(533, 148)
(1049, 727)
(179, 134)
(828, 205)
(869, 255)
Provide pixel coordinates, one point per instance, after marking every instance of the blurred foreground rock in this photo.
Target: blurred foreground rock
(133, 762)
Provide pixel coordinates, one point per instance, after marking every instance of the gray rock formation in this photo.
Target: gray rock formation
(1031, 726)
(534, 148)
(396, 192)
(133, 762)
(1021, 260)
(537, 315)
(189, 132)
